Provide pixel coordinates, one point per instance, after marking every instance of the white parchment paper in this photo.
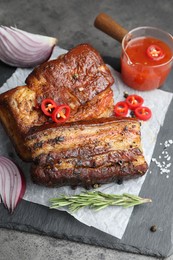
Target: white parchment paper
(112, 220)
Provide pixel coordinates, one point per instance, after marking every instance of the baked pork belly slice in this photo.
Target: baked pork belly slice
(85, 153)
(73, 78)
(80, 79)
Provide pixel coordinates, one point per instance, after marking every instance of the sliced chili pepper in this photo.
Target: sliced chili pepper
(121, 109)
(154, 52)
(134, 101)
(143, 113)
(48, 106)
(61, 114)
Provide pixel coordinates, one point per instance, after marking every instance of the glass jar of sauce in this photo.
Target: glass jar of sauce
(146, 59)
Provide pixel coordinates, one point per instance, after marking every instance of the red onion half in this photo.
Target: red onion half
(12, 183)
(22, 49)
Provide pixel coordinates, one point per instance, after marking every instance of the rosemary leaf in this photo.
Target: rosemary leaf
(97, 200)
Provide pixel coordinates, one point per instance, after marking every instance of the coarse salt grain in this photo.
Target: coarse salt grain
(163, 166)
(168, 165)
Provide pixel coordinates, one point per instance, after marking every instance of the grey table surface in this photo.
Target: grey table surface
(72, 23)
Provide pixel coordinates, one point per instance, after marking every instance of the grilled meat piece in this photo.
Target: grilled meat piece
(79, 78)
(87, 152)
(92, 147)
(74, 78)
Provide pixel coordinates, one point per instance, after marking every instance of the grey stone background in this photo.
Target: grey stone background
(71, 21)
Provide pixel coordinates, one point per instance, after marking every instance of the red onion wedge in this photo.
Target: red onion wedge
(22, 49)
(12, 183)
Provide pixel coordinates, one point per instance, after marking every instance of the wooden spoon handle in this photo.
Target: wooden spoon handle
(109, 26)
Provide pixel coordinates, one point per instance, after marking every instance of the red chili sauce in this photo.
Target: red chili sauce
(149, 63)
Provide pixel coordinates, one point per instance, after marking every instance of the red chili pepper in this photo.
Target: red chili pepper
(48, 106)
(61, 114)
(143, 113)
(121, 109)
(154, 52)
(134, 101)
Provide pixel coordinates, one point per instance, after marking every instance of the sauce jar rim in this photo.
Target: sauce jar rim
(128, 37)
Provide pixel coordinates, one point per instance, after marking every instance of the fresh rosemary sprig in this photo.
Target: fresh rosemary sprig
(97, 200)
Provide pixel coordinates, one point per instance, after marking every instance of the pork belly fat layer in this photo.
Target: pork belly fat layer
(85, 138)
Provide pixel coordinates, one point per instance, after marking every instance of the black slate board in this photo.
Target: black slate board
(137, 238)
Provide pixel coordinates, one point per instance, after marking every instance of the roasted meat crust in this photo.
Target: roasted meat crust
(74, 78)
(87, 153)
